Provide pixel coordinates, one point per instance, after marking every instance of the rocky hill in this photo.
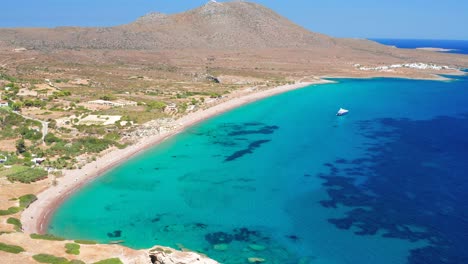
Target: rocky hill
(235, 36)
(227, 25)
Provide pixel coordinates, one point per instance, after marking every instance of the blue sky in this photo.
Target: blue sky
(428, 19)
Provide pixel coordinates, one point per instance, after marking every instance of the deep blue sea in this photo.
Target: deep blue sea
(457, 46)
(286, 180)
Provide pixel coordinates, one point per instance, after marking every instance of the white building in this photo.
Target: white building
(171, 108)
(38, 160)
(190, 108)
(3, 104)
(419, 66)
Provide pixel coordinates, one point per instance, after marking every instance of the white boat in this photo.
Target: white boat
(342, 111)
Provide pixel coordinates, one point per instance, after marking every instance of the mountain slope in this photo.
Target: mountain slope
(228, 25)
(236, 33)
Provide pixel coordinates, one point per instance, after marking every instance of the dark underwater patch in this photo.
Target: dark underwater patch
(264, 130)
(415, 188)
(242, 234)
(230, 134)
(219, 238)
(252, 146)
(114, 234)
(245, 234)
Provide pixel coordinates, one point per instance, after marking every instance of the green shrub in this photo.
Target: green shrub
(92, 144)
(7, 77)
(107, 97)
(112, 136)
(121, 146)
(86, 242)
(46, 258)
(28, 176)
(72, 248)
(110, 261)
(27, 200)
(11, 248)
(51, 138)
(16, 222)
(10, 211)
(47, 237)
(87, 144)
(62, 93)
(155, 105)
(20, 146)
(29, 133)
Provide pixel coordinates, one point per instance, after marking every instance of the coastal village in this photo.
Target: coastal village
(393, 67)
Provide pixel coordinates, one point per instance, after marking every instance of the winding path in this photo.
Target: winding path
(45, 125)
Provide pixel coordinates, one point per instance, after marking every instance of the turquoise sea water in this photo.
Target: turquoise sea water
(384, 184)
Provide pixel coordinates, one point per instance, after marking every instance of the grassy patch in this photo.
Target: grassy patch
(46, 258)
(16, 222)
(47, 237)
(10, 211)
(86, 242)
(27, 176)
(88, 144)
(93, 144)
(110, 261)
(14, 169)
(27, 200)
(24, 201)
(72, 248)
(11, 248)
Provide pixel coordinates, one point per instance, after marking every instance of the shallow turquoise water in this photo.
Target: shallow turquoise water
(256, 175)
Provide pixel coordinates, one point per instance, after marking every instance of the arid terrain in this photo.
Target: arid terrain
(238, 38)
(132, 81)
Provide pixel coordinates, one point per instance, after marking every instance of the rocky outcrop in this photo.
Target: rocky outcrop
(164, 255)
(151, 128)
(212, 79)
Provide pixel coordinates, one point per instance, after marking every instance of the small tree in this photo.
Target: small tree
(52, 123)
(17, 106)
(20, 146)
(155, 105)
(107, 97)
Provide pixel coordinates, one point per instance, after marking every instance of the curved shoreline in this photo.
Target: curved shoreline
(36, 217)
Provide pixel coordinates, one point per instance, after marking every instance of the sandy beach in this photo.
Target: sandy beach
(35, 218)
